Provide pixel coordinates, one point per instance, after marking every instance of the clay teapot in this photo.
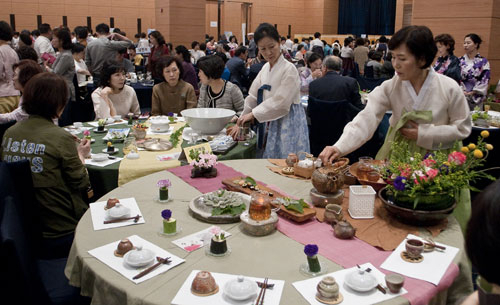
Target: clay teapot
(327, 180)
(343, 230)
(291, 159)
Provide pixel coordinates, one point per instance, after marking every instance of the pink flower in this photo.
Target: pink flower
(432, 173)
(457, 158)
(86, 133)
(215, 230)
(428, 162)
(406, 172)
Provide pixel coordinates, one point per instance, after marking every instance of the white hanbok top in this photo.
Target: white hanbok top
(440, 94)
(285, 91)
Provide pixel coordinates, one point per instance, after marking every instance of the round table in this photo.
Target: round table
(275, 256)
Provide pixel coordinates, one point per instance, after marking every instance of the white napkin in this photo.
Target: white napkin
(431, 269)
(75, 130)
(98, 214)
(197, 240)
(150, 132)
(307, 288)
(185, 297)
(96, 124)
(102, 163)
(106, 255)
(168, 157)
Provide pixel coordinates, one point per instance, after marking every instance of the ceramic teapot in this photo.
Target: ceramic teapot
(291, 159)
(343, 230)
(327, 180)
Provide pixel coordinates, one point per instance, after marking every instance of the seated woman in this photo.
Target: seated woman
(173, 94)
(113, 97)
(23, 72)
(310, 73)
(57, 161)
(216, 92)
(375, 62)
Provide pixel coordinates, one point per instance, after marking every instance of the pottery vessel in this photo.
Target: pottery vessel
(291, 159)
(343, 230)
(327, 180)
(373, 176)
(218, 246)
(394, 282)
(240, 288)
(111, 203)
(322, 200)
(328, 289)
(333, 213)
(139, 133)
(123, 247)
(204, 283)
(414, 248)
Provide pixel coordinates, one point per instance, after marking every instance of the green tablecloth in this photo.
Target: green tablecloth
(105, 179)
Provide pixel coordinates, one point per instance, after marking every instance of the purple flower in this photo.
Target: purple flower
(166, 214)
(444, 169)
(170, 114)
(164, 184)
(311, 250)
(400, 183)
(429, 154)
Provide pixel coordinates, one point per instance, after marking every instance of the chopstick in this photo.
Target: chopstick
(160, 261)
(264, 294)
(262, 289)
(135, 218)
(379, 287)
(435, 246)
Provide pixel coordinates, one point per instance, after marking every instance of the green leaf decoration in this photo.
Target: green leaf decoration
(251, 181)
(232, 210)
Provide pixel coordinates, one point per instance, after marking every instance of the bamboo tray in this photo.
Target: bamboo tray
(283, 212)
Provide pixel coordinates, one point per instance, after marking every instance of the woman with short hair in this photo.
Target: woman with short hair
(59, 176)
(9, 96)
(189, 74)
(447, 63)
(113, 97)
(64, 64)
(475, 72)
(173, 94)
(216, 92)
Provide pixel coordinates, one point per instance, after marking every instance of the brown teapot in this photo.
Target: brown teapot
(327, 180)
(343, 230)
(291, 159)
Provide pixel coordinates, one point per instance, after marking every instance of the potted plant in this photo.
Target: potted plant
(86, 135)
(169, 223)
(218, 244)
(203, 164)
(163, 186)
(311, 252)
(140, 130)
(100, 125)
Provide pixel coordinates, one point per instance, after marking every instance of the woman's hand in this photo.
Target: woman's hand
(234, 119)
(83, 149)
(410, 131)
(317, 74)
(234, 132)
(329, 154)
(106, 91)
(245, 118)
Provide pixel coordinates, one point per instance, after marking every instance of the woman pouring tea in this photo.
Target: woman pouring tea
(429, 110)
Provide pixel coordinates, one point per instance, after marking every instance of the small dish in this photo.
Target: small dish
(99, 131)
(161, 233)
(240, 288)
(360, 280)
(105, 150)
(157, 198)
(118, 211)
(117, 118)
(139, 257)
(99, 157)
(304, 268)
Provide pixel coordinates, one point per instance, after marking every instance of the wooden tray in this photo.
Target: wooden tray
(377, 185)
(283, 212)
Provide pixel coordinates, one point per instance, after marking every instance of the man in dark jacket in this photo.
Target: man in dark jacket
(333, 86)
(236, 65)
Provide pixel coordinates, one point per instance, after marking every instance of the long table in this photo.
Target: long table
(275, 256)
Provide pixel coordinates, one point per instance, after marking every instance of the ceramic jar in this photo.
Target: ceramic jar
(204, 284)
(328, 289)
(327, 180)
(291, 159)
(333, 213)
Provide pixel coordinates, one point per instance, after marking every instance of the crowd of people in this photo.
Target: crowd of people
(45, 71)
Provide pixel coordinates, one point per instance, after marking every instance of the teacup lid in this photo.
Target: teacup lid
(162, 119)
(139, 257)
(240, 288)
(361, 280)
(118, 211)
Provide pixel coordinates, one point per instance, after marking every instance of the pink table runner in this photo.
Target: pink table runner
(346, 253)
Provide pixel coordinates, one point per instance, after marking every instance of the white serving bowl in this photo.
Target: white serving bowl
(207, 120)
(99, 157)
(159, 123)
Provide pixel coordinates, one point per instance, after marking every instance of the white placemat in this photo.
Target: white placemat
(150, 132)
(185, 297)
(102, 163)
(307, 288)
(197, 240)
(106, 255)
(96, 124)
(431, 269)
(98, 214)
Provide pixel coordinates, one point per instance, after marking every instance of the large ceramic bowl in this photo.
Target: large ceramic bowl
(207, 120)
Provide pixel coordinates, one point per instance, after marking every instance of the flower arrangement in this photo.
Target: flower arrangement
(86, 134)
(171, 117)
(163, 186)
(311, 252)
(204, 160)
(437, 176)
(140, 126)
(100, 124)
(169, 223)
(166, 214)
(217, 233)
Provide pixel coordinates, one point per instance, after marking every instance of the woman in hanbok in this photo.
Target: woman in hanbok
(475, 72)
(429, 110)
(274, 101)
(447, 63)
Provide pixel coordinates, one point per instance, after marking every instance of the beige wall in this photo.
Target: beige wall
(125, 13)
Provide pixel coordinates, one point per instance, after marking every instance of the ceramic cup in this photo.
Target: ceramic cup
(333, 213)
(414, 248)
(394, 282)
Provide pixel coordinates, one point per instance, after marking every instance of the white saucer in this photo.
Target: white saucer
(161, 233)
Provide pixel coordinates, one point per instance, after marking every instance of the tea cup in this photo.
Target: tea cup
(394, 282)
(414, 248)
(333, 213)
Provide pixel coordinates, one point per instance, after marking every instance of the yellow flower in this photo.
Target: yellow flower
(485, 134)
(109, 144)
(465, 150)
(472, 146)
(489, 147)
(446, 163)
(478, 154)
